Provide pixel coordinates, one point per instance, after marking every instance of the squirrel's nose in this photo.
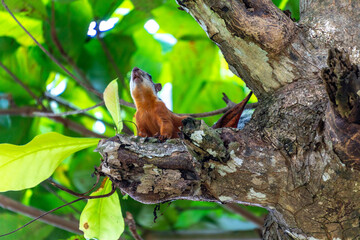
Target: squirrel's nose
(136, 69)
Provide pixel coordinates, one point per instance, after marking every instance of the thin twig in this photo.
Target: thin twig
(12, 205)
(235, 208)
(47, 114)
(69, 60)
(132, 226)
(28, 112)
(77, 127)
(23, 85)
(72, 192)
(227, 100)
(53, 210)
(44, 185)
(217, 112)
(87, 87)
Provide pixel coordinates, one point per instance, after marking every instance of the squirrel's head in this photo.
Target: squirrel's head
(143, 79)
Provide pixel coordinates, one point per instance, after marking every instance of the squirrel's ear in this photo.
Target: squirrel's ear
(158, 87)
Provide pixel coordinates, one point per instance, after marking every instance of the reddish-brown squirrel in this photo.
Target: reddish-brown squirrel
(153, 118)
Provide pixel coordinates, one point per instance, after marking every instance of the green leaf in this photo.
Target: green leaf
(148, 56)
(7, 46)
(71, 22)
(190, 217)
(103, 9)
(31, 8)
(146, 6)
(102, 218)
(111, 99)
(96, 63)
(26, 166)
(178, 23)
(132, 22)
(9, 28)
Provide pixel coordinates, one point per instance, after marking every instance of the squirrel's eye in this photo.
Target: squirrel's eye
(149, 76)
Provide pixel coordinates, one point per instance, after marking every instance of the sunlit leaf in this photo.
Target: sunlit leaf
(102, 218)
(111, 99)
(26, 166)
(9, 28)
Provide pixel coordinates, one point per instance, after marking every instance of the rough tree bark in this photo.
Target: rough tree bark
(299, 156)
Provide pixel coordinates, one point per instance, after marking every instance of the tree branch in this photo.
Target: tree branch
(56, 221)
(48, 188)
(246, 214)
(152, 172)
(129, 219)
(342, 82)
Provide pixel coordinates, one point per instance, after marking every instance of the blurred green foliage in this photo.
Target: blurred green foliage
(187, 59)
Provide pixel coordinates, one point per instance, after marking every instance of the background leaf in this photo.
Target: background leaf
(26, 166)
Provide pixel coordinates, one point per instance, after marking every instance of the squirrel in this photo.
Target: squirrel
(153, 118)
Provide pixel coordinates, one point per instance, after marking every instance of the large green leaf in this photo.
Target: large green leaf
(112, 103)
(102, 218)
(26, 166)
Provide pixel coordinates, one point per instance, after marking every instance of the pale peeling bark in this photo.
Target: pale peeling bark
(299, 155)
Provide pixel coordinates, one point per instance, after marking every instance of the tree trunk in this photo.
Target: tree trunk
(299, 156)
